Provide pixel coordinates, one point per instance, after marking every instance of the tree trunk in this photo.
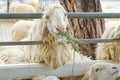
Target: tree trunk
(85, 28)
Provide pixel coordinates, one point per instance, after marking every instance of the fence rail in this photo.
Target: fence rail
(13, 71)
(70, 15)
(80, 41)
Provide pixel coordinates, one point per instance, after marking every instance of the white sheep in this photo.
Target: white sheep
(102, 71)
(110, 8)
(109, 51)
(20, 29)
(2, 62)
(112, 23)
(99, 71)
(34, 3)
(12, 6)
(54, 21)
(12, 55)
(21, 7)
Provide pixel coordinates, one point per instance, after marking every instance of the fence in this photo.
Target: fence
(42, 3)
(9, 71)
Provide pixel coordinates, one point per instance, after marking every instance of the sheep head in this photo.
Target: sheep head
(102, 71)
(55, 19)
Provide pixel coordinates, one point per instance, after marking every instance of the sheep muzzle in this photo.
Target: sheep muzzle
(60, 29)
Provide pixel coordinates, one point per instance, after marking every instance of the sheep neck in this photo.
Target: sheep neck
(47, 36)
(54, 54)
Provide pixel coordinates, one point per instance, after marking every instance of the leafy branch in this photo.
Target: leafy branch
(71, 40)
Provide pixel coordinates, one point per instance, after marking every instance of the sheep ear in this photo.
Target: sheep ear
(98, 69)
(43, 26)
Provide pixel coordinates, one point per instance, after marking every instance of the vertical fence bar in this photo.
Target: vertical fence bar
(8, 3)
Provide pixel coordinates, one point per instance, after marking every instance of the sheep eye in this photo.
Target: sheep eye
(97, 69)
(114, 67)
(47, 17)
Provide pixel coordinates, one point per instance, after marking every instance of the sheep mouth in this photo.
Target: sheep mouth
(116, 72)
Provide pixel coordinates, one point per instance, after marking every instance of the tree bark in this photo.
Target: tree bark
(85, 28)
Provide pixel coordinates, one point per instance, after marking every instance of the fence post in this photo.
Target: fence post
(8, 2)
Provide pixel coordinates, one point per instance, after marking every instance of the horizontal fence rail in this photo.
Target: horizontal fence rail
(28, 70)
(81, 41)
(70, 15)
(12, 71)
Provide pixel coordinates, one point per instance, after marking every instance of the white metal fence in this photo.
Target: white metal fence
(28, 70)
(12, 71)
(42, 3)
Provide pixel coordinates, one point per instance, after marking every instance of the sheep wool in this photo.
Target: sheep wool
(20, 29)
(54, 21)
(109, 51)
(34, 3)
(12, 56)
(21, 7)
(102, 71)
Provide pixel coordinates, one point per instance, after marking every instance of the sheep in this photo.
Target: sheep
(20, 30)
(34, 3)
(21, 7)
(12, 6)
(54, 21)
(112, 23)
(99, 71)
(17, 7)
(12, 55)
(2, 62)
(109, 51)
(102, 71)
(111, 8)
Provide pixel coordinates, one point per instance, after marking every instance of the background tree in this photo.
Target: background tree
(85, 28)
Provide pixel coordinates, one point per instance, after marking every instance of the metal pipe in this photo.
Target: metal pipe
(70, 15)
(8, 2)
(13, 71)
(20, 15)
(81, 41)
(93, 15)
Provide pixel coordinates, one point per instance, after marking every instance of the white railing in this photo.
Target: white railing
(28, 70)
(70, 15)
(8, 71)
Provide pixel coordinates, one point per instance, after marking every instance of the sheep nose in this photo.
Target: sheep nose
(60, 29)
(118, 65)
(114, 67)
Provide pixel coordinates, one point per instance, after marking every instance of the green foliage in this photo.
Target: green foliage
(70, 39)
